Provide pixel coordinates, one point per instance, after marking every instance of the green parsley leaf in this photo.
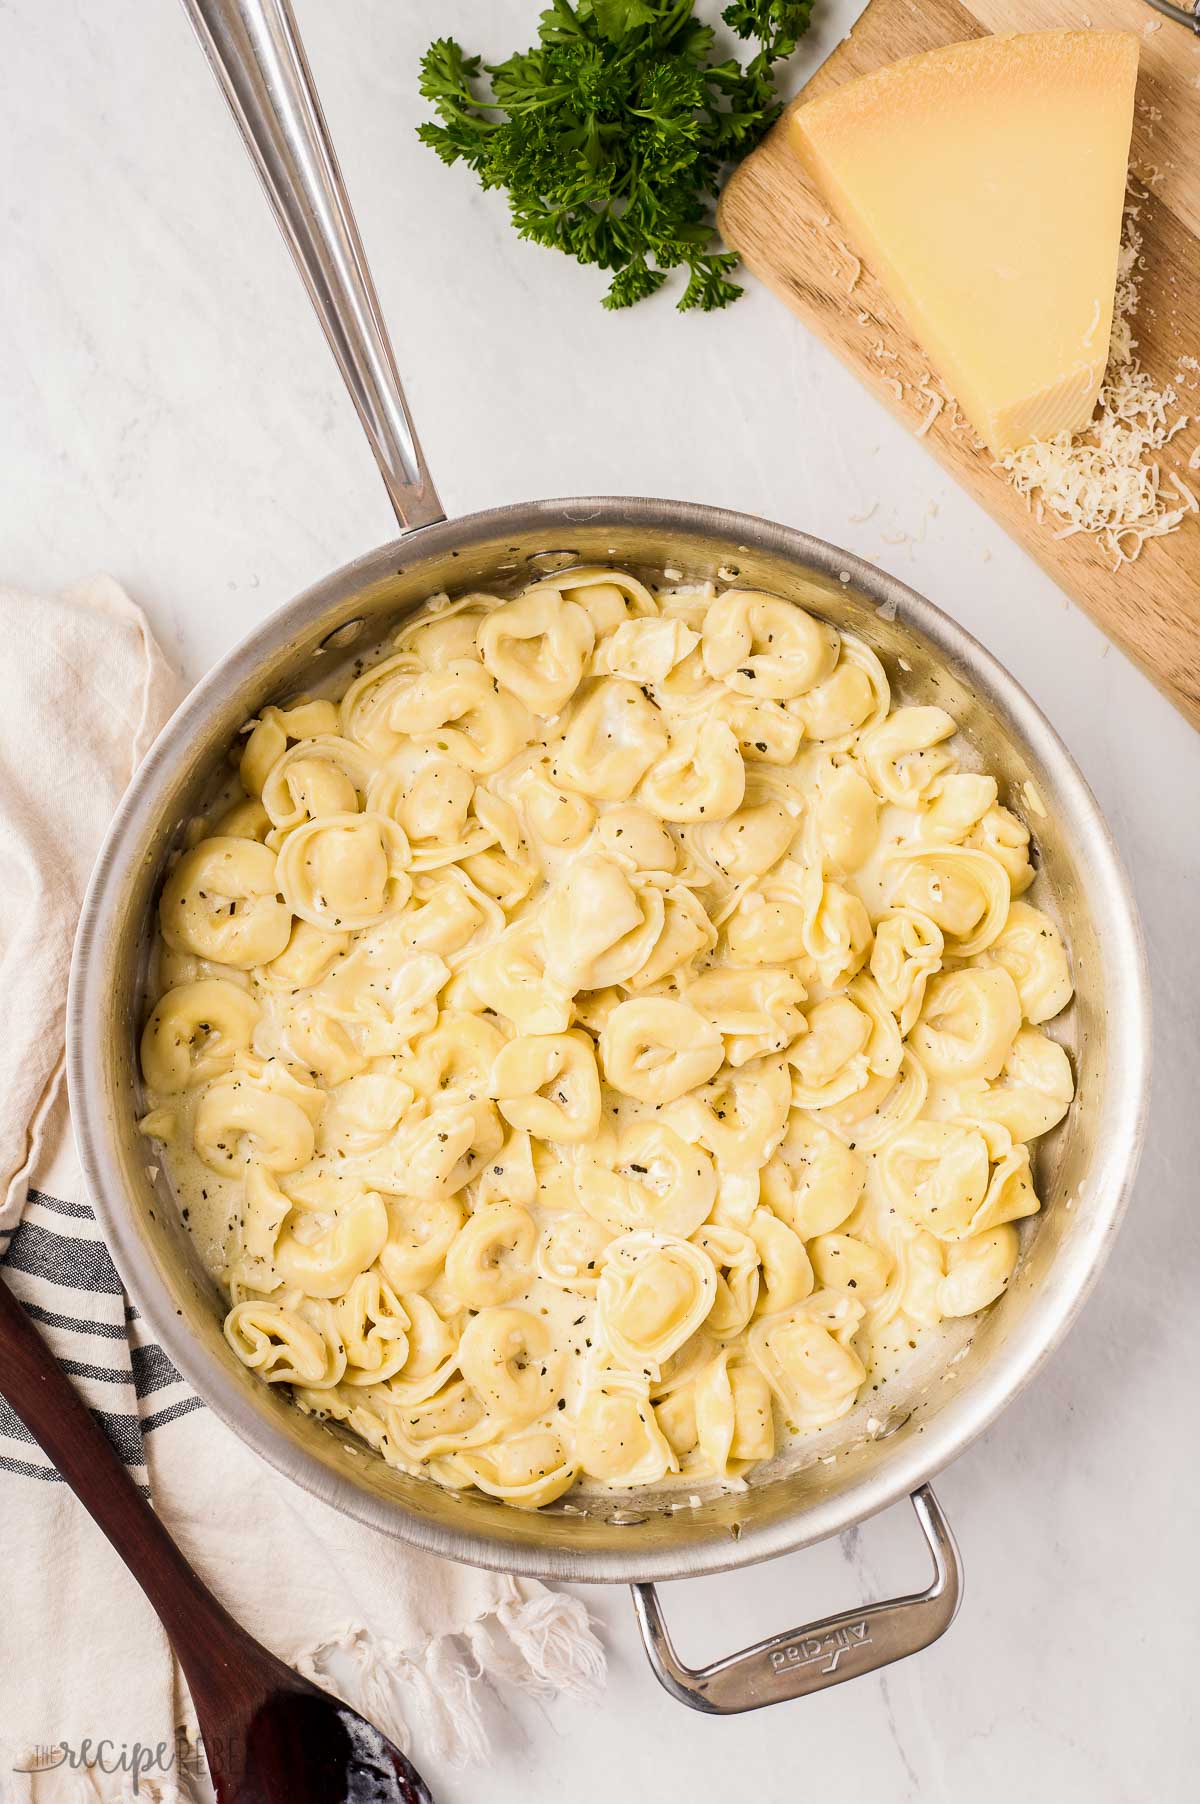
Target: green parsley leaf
(611, 135)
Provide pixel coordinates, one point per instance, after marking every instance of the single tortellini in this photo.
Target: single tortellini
(1034, 1089)
(856, 695)
(965, 892)
(787, 1274)
(978, 1270)
(961, 800)
(769, 925)
(571, 1253)
(286, 1345)
(652, 1179)
(905, 755)
(636, 839)
(373, 1325)
(260, 1114)
(510, 977)
(598, 928)
(536, 646)
(556, 816)
(450, 917)
(458, 710)
(345, 870)
(617, 1437)
(968, 1023)
(447, 1421)
(195, 1032)
(936, 1173)
(315, 777)
(735, 1258)
(607, 597)
(527, 1472)
(509, 1358)
(756, 1010)
(441, 633)
(845, 819)
(815, 1180)
(305, 959)
(365, 1110)
(1006, 839)
(844, 1262)
(700, 776)
(324, 1261)
(421, 1231)
(548, 1084)
(647, 651)
(457, 1056)
(1029, 947)
(510, 1176)
(222, 902)
(318, 1043)
(740, 1116)
(245, 820)
(766, 731)
(385, 990)
(264, 1208)
(656, 1050)
(614, 735)
(432, 1350)
(490, 1260)
(270, 733)
(761, 644)
(686, 933)
(906, 953)
(837, 929)
(750, 841)
(829, 1060)
(439, 1147)
(655, 1292)
(432, 803)
(805, 1355)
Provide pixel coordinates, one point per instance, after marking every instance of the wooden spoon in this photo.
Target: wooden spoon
(269, 1736)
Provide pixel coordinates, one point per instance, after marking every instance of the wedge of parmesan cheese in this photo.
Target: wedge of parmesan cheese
(983, 184)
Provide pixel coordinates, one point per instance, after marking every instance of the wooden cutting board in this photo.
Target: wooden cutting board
(769, 213)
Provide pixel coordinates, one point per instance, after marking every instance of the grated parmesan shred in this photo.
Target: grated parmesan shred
(1109, 482)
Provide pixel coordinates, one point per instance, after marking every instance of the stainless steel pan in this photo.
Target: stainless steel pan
(1085, 1170)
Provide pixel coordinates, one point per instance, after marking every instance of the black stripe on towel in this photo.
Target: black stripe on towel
(79, 1368)
(60, 1259)
(61, 1206)
(24, 1469)
(50, 1318)
(124, 1432)
(151, 1369)
(172, 1413)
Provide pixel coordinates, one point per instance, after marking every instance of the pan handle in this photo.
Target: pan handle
(256, 55)
(821, 1654)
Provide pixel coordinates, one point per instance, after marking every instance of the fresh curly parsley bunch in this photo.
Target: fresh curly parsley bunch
(611, 134)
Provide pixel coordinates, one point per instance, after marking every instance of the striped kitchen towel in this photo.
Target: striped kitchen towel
(91, 1706)
(58, 1265)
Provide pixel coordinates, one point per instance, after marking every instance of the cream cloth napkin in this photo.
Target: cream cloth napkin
(90, 1701)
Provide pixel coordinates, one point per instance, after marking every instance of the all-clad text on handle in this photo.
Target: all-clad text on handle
(821, 1654)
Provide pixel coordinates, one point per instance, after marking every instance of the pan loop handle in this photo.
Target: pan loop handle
(821, 1654)
(254, 49)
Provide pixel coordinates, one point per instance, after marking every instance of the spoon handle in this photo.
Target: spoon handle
(254, 50)
(62, 1424)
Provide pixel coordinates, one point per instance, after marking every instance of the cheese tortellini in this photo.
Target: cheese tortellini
(598, 1047)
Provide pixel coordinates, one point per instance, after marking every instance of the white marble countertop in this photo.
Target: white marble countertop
(171, 415)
